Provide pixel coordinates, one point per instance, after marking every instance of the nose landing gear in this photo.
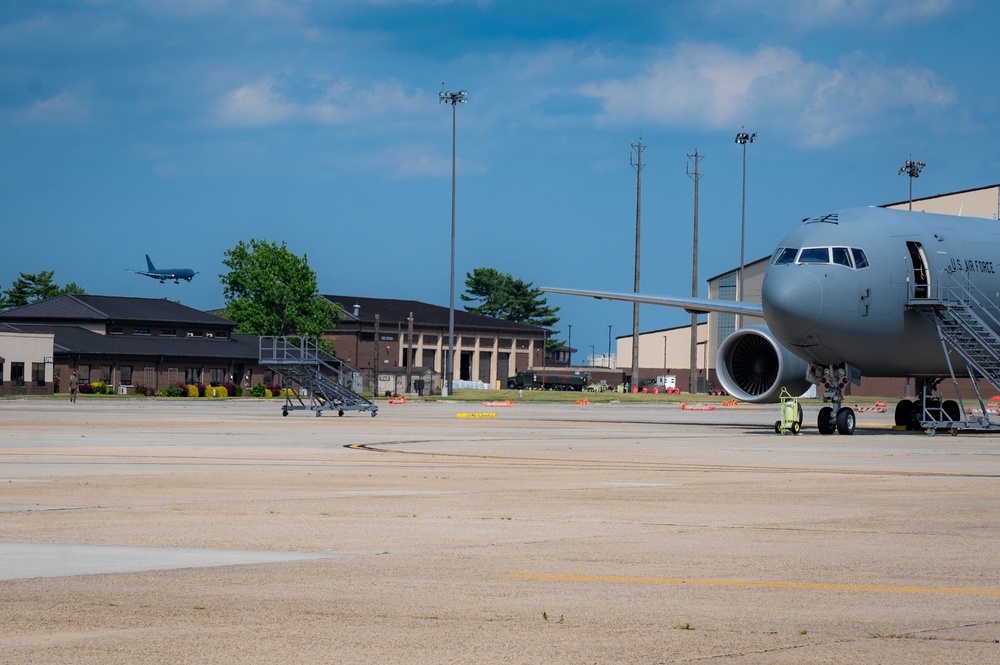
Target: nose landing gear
(838, 418)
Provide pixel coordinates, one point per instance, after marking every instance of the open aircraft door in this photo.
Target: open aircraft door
(921, 272)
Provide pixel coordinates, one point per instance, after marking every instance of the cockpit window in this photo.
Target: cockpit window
(849, 257)
(841, 256)
(784, 256)
(815, 255)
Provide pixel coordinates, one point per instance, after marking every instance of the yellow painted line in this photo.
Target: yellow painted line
(747, 584)
(475, 415)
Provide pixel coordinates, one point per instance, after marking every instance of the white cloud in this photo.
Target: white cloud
(826, 14)
(254, 105)
(270, 102)
(711, 86)
(64, 108)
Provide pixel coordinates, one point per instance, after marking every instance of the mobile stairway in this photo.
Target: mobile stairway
(326, 381)
(966, 324)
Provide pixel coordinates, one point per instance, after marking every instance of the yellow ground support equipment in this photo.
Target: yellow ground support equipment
(791, 415)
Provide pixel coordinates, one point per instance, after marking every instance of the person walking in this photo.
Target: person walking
(74, 383)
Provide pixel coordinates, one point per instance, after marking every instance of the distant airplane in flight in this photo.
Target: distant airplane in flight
(164, 274)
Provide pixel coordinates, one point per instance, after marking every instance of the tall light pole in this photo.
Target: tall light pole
(743, 138)
(453, 98)
(912, 169)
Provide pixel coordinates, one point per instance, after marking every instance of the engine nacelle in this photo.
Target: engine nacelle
(753, 367)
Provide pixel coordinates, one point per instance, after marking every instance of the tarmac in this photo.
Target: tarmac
(188, 531)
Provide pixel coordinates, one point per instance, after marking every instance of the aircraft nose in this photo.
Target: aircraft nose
(792, 300)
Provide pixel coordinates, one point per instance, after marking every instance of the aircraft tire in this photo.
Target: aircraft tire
(824, 423)
(904, 413)
(952, 410)
(846, 421)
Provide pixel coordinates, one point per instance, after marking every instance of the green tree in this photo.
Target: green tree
(271, 291)
(30, 288)
(501, 296)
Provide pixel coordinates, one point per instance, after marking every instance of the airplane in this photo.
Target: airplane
(164, 274)
(849, 293)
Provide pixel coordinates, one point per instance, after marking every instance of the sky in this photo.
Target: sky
(177, 129)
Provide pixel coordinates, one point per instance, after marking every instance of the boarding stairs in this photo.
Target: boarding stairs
(966, 324)
(309, 373)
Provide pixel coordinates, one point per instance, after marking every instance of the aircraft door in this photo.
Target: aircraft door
(921, 273)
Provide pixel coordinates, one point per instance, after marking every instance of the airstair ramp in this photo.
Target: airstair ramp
(966, 324)
(314, 379)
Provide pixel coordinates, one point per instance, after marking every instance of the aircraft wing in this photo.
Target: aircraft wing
(692, 305)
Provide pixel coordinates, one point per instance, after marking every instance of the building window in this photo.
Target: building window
(1, 373)
(217, 376)
(38, 374)
(192, 375)
(117, 330)
(149, 377)
(140, 331)
(222, 334)
(126, 375)
(17, 374)
(83, 373)
(106, 374)
(168, 333)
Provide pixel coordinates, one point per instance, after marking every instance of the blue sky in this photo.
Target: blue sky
(180, 128)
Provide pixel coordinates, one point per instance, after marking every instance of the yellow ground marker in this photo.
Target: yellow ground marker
(757, 585)
(475, 415)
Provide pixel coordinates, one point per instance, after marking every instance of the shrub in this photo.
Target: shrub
(232, 389)
(143, 390)
(203, 391)
(176, 390)
(220, 391)
(85, 388)
(99, 388)
(192, 390)
(259, 390)
(274, 388)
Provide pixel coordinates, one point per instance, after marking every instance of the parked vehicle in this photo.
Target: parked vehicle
(548, 381)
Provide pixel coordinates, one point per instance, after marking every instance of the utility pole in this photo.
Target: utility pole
(637, 148)
(693, 371)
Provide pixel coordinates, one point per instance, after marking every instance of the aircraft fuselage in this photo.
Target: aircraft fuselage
(838, 286)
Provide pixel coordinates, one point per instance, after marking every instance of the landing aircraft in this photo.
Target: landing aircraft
(164, 274)
(845, 295)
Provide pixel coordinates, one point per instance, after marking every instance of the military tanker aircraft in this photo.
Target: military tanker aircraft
(163, 274)
(863, 291)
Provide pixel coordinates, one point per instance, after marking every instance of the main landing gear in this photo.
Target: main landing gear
(832, 380)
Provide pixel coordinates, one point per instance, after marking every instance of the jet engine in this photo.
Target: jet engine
(754, 367)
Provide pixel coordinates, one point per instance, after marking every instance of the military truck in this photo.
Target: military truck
(548, 381)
